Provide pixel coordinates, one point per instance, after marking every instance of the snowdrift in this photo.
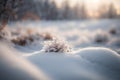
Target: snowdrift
(14, 67)
(84, 64)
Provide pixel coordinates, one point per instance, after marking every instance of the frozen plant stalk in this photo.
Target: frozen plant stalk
(56, 46)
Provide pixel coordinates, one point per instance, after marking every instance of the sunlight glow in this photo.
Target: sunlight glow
(91, 4)
(76, 1)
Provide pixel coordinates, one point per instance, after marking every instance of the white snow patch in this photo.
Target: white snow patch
(85, 64)
(14, 67)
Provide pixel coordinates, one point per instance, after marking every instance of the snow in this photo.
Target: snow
(82, 50)
(104, 56)
(86, 64)
(14, 67)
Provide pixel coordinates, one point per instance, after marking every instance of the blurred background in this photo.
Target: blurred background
(30, 28)
(62, 9)
(83, 23)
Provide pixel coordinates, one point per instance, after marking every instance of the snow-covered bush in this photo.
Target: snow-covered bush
(28, 36)
(22, 40)
(101, 37)
(113, 31)
(25, 39)
(39, 34)
(56, 46)
(46, 36)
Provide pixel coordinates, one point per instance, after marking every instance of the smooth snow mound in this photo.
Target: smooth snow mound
(84, 64)
(102, 56)
(14, 67)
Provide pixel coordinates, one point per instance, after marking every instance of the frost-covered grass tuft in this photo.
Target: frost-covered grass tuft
(26, 36)
(101, 37)
(114, 30)
(22, 41)
(46, 36)
(56, 46)
(5, 33)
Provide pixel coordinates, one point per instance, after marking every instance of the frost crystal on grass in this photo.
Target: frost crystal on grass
(56, 46)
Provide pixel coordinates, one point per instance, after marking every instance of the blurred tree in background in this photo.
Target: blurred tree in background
(112, 11)
(14, 10)
(6, 11)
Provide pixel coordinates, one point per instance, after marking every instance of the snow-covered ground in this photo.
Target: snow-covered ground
(62, 50)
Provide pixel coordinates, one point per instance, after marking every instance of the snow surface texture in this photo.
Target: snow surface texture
(27, 57)
(84, 64)
(14, 67)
